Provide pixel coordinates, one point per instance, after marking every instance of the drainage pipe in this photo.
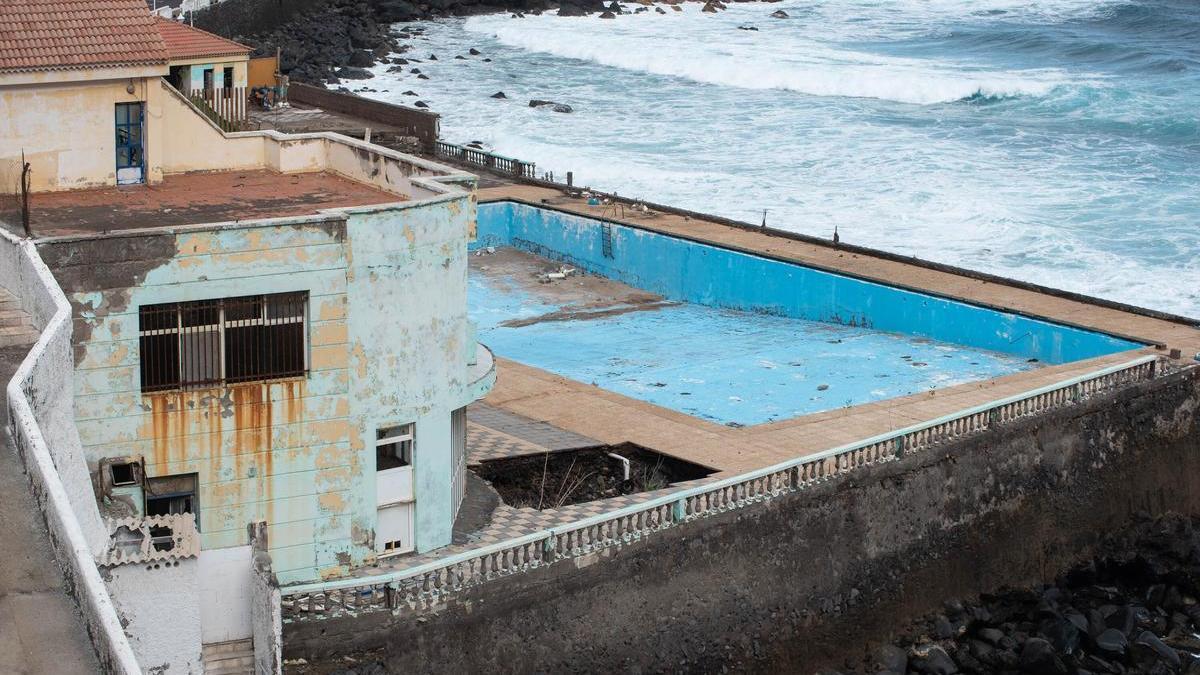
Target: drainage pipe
(623, 461)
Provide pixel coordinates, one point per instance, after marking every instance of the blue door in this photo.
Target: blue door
(131, 156)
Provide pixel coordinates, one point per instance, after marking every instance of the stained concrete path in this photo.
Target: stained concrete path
(41, 630)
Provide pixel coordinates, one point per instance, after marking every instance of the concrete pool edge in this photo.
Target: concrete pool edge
(916, 262)
(881, 254)
(716, 274)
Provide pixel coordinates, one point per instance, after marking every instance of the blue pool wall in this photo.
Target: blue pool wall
(688, 271)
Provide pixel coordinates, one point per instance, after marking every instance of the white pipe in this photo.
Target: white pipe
(623, 461)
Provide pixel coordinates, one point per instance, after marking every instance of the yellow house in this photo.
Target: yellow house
(203, 62)
(79, 93)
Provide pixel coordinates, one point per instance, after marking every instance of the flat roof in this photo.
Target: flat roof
(196, 199)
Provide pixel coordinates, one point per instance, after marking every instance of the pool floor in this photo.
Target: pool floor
(730, 367)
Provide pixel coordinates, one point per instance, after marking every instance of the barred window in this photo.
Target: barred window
(213, 342)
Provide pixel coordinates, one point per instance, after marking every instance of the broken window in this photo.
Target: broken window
(212, 342)
(124, 473)
(171, 495)
(394, 447)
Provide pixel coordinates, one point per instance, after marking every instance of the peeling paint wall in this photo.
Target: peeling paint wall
(387, 333)
(408, 335)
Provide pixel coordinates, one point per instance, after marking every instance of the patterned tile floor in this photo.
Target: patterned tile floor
(494, 434)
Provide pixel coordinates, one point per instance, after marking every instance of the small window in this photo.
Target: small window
(394, 447)
(170, 495)
(393, 545)
(124, 474)
(212, 342)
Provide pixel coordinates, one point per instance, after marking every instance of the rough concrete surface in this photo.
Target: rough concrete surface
(197, 198)
(40, 627)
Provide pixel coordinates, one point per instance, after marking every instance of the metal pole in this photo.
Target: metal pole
(25, 196)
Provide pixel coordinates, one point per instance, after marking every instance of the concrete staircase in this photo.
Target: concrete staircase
(16, 328)
(235, 657)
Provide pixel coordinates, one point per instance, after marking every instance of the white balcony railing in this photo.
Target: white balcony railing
(423, 584)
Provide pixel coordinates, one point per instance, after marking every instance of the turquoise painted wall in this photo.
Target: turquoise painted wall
(682, 270)
(388, 335)
(409, 334)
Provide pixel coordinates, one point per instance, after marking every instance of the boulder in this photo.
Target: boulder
(992, 636)
(779, 14)
(354, 73)
(474, 52)
(420, 104)
(1038, 657)
(460, 57)
(362, 58)
(410, 92)
(1112, 641)
(556, 107)
(391, 11)
(1148, 643)
(499, 94)
(422, 76)
(608, 15)
(892, 659)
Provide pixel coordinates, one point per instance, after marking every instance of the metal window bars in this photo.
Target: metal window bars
(213, 342)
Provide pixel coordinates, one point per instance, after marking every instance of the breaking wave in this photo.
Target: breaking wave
(815, 71)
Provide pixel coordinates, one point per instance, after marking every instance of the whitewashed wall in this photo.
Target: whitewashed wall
(41, 425)
(160, 603)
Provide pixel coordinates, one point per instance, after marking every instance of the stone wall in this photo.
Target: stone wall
(814, 577)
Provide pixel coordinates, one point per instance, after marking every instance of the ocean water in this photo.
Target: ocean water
(1055, 141)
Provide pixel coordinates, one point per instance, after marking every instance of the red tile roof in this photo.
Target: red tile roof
(185, 42)
(65, 34)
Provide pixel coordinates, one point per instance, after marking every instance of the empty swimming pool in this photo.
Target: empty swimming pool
(726, 336)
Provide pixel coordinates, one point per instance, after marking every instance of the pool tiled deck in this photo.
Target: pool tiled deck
(552, 408)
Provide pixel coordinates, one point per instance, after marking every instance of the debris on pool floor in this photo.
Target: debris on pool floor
(731, 367)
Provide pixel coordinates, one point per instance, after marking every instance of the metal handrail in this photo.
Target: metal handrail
(582, 535)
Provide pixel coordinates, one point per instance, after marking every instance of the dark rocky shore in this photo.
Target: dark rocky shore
(1132, 609)
(330, 41)
(327, 41)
